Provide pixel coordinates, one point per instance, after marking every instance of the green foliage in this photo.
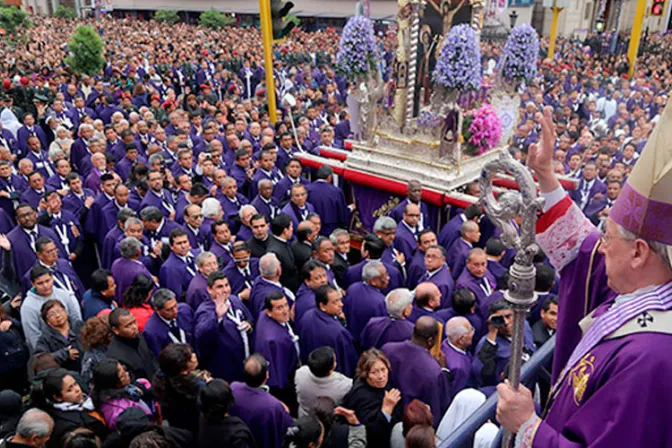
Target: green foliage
(86, 51)
(292, 18)
(65, 12)
(215, 19)
(168, 16)
(12, 17)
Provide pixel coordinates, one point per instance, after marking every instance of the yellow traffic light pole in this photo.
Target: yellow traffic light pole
(267, 39)
(554, 31)
(635, 35)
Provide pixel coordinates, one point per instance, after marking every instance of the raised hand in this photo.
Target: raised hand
(4, 242)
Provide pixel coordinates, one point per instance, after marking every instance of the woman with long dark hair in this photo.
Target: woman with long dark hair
(176, 386)
(59, 395)
(136, 299)
(113, 392)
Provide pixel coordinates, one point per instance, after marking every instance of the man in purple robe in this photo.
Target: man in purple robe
(179, 268)
(62, 272)
(66, 225)
(328, 201)
(476, 277)
(264, 414)
(437, 272)
(29, 129)
(427, 301)
(171, 323)
(364, 300)
(451, 231)
(197, 232)
(126, 268)
(298, 208)
(113, 236)
(158, 228)
(126, 164)
(57, 181)
(77, 198)
(459, 335)
(470, 233)
(385, 228)
(223, 331)
(197, 292)
(94, 218)
(36, 191)
(322, 326)
(265, 203)
(372, 249)
(157, 196)
(275, 340)
(293, 169)
(414, 196)
(314, 275)
(231, 202)
(406, 236)
(425, 378)
(242, 271)
(39, 157)
(494, 252)
(110, 211)
(600, 397)
(589, 187)
(268, 281)
(395, 327)
(415, 267)
(265, 171)
(221, 244)
(23, 239)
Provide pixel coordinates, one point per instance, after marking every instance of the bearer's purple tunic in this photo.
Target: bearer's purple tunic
(318, 329)
(361, 303)
(381, 330)
(274, 342)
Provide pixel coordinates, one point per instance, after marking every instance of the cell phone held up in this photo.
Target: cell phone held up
(497, 322)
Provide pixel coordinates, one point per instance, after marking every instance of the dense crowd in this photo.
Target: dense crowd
(172, 275)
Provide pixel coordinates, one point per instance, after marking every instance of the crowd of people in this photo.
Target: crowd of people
(172, 275)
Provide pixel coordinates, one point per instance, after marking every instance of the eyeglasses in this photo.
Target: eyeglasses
(606, 239)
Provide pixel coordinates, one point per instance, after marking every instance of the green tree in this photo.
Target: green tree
(12, 17)
(86, 51)
(65, 12)
(167, 16)
(215, 19)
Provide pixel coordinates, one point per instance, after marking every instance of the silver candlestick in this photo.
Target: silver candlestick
(502, 211)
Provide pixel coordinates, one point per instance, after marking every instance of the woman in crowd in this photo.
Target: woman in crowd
(176, 387)
(60, 396)
(341, 426)
(60, 337)
(136, 299)
(306, 432)
(416, 413)
(421, 436)
(13, 353)
(63, 141)
(113, 392)
(216, 400)
(95, 337)
(376, 404)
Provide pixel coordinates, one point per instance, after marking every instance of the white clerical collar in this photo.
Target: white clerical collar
(467, 242)
(158, 229)
(166, 321)
(281, 239)
(266, 201)
(233, 201)
(184, 258)
(272, 283)
(624, 298)
(294, 180)
(108, 196)
(195, 231)
(158, 195)
(267, 173)
(459, 350)
(434, 272)
(412, 229)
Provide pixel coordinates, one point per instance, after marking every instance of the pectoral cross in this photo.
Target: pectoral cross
(644, 319)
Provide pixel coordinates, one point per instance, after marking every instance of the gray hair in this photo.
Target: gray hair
(85, 126)
(384, 223)
(263, 182)
(203, 257)
(210, 207)
(397, 301)
(133, 221)
(662, 250)
(151, 213)
(35, 423)
(161, 297)
(372, 270)
(456, 327)
(157, 156)
(269, 265)
(246, 207)
(336, 233)
(171, 139)
(130, 247)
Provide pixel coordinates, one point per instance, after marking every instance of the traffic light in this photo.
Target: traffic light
(279, 11)
(657, 7)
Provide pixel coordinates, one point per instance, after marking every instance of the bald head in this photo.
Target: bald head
(459, 332)
(425, 331)
(427, 295)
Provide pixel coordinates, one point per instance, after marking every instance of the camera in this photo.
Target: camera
(208, 156)
(497, 322)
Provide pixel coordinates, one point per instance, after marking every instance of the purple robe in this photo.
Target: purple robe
(158, 334)
(33, 197)
(197, 292)
(502, 357)
(269, 209)
(415, 269)
(284, 186)
(451, 231)
(457, 256)
(381, 330)
(56, 182)
(361, 303)
(163, 201)
(397, 214)
(23, 255)
(477, 286)
(231, 207)
(318, 329)
(274, 342)
(444, 282)
(94, 218)
(239, 280)
(109, 216)
(329, 202)
(422, 379)
(354, 275)
(262, 413)
(74, 203)
(176, 275)
(219, 344)
(124, 271)
(260, 289)
(418, 312)
(459, 365)
(198, 238)
(109, 244)
(41, 163)
(405, 241)
(65, 279)
(298, 215)
(305, 300)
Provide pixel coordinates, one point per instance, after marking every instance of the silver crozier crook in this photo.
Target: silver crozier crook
(501, 211)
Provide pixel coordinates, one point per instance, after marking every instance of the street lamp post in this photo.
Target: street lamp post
(513, 16)
(556, 6)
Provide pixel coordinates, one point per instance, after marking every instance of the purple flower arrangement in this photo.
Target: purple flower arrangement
(358, 52)
(519, 61)
(459, 63)
(428, 119)
(483, 130)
